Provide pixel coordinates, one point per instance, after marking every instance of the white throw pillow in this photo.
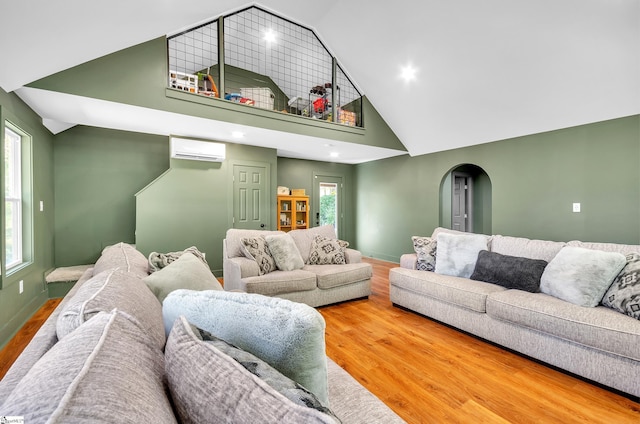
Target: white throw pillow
(581, 276)
(456, 254)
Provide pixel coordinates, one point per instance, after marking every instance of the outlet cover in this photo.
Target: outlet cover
(21, 286)
(576, 207)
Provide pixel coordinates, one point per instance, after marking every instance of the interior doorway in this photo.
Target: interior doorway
(327, 205)
(465, 199)
(462, 202)
(251, 199)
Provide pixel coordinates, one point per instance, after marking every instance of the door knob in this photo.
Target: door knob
(261, 225)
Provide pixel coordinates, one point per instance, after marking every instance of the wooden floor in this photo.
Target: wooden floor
(430, 373)
(17, 344)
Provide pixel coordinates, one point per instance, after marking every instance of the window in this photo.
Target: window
(16, 151)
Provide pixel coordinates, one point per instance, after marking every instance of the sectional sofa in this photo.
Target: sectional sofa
(592, 341)
(104, 355)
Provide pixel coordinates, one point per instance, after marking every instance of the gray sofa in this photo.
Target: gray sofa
(597, 343)
(110, 367)
(315, 285)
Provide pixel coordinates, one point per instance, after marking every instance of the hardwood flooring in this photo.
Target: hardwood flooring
(430, 373)
(16, 345)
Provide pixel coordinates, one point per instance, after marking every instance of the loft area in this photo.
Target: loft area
(264, 61)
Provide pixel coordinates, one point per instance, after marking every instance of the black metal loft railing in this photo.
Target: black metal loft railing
(258, 59)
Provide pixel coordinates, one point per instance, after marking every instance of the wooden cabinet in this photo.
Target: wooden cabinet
(293, 212)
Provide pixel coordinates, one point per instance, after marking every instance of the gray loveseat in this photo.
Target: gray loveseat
(597, 343)
(111, 367)
(315, 285)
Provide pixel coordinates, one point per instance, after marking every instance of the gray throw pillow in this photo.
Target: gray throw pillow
(287, 335)
(284, 252)
(326, 251)
(581, 276)
(457, 253)
(511, 272)
(256, 248)
(425, 248)
(624, 293)
(186, 272)
(108, 370)
(209, 379)
(157, 260)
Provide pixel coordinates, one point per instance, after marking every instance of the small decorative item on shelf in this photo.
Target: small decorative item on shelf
(283, 191)
(184, 82)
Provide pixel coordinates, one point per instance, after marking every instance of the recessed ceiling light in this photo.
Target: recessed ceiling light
(237, 134)
(408, 73)
(269, 36)
(334, 154)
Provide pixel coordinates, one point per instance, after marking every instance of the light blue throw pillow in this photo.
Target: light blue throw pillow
(287, 335)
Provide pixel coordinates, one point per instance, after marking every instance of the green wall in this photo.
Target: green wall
(295, 173)
(97, 173)
(191, 204)
(16, 308)
(534, 181)
(139, 76)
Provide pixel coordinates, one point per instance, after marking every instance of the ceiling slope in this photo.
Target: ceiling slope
(485, 71)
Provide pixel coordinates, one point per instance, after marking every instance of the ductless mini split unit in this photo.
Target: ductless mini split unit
(208, 151)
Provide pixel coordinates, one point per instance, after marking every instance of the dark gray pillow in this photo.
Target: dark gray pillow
(511, 272)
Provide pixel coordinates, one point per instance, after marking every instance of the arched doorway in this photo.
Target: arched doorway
(465, 199)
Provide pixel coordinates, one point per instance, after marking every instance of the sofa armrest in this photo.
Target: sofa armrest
(234, 269)
(409, 260)
(352, 256)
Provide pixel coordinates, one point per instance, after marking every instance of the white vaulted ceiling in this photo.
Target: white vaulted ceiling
(485, 71)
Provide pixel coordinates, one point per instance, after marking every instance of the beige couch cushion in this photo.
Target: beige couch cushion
(330, 276)
(600, 327)
(625, 249)
(122, 256)
(108, 370)
(109, 290)
(235, 235)
(457, 291)
(526, 248)
(304, 238)
(279, 282)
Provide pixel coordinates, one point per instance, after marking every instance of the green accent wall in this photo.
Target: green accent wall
(295, 173)
(191, 204)
(534, 181)
(97, 173)
(16, 308)
(139, 76)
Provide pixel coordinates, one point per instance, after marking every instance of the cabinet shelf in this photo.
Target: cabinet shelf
(293, 212)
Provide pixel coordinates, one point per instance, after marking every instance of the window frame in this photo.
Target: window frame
(24, 220)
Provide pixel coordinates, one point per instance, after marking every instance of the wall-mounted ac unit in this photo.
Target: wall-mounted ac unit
(184, 148)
